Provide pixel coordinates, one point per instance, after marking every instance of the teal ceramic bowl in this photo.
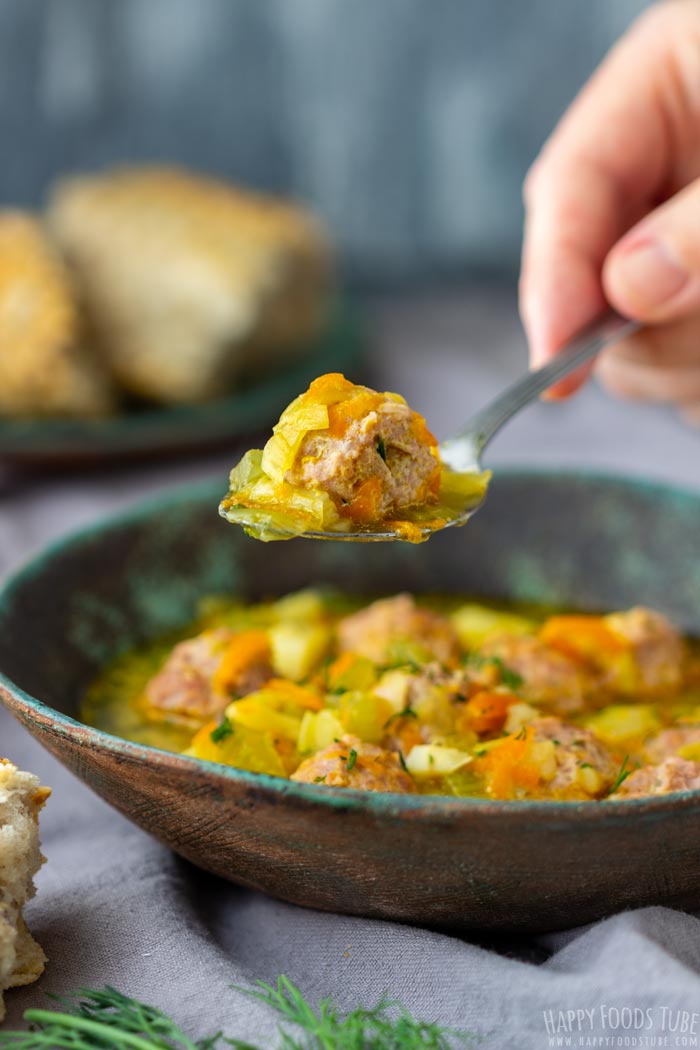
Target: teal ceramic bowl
(564, 539)
(147, 432)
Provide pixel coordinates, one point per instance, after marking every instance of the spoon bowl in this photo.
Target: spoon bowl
(462, 453)
(372, 535)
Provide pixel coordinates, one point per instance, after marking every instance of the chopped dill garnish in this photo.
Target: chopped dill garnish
(320, 780)
(96, 1020)
(223, 730)
(325, 667)
(352, 759)
(522, 733)
(403, 664)
(621, 776)
(407, 712)
(585, 765)
(381, 447)
(402, 760)
(508, 676)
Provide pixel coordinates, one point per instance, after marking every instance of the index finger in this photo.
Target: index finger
(602, 169)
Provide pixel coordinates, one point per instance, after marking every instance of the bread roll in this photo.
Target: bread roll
(189, 281)
(21, 797)
(45, 370)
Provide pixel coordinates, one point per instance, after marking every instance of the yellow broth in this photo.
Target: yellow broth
(443, 696)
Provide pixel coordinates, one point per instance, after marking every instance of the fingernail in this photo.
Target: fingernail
(651, 275)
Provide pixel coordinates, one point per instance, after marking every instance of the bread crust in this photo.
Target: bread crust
(45, 366)
(188, 280)
(21, 799)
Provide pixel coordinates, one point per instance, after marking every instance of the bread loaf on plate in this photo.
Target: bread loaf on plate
(189, 281)
(46, 368)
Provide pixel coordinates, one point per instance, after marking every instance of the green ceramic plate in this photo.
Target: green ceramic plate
(157, 431)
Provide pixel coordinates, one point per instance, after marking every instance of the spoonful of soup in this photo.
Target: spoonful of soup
(349, 463)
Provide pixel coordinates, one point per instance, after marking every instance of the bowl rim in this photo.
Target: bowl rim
(385, 804)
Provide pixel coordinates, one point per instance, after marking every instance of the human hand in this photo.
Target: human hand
(613, 214)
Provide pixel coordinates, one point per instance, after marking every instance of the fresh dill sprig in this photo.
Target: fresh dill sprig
(103, 1020)
(361, 1029)
(621, 776)
(381, 447)
(108, 1020)
(352, 759)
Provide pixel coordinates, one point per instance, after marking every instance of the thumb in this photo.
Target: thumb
(653, 272)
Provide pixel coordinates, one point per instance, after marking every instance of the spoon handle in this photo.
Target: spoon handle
(481, 428)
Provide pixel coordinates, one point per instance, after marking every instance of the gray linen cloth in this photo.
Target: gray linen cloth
(115, 907)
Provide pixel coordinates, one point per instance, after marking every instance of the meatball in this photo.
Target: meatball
(349, 762)
(375, 458)
(202, 673)
(673, 774)
(670, 741)
(429, 696)
(183, 686)
(377, 631)
(583, 764)
(548, 677)
(546, 759)
(657, 649)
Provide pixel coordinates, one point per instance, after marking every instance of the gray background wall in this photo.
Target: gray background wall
(409, 124)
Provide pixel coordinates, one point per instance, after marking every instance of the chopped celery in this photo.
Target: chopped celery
(474, 624)
(434, 760)
(620, 724)
(297, 648)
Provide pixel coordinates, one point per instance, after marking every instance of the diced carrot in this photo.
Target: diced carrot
(409, 734)
(419, 429)
(330, 388)
(243, 651)
(486, 711)
(412, 532)
(344, 413)
(296, 693)
(507, 767)
(585, 638)
(340, 666)
(365, 505)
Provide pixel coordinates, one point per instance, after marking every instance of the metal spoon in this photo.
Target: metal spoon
(462, 453)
